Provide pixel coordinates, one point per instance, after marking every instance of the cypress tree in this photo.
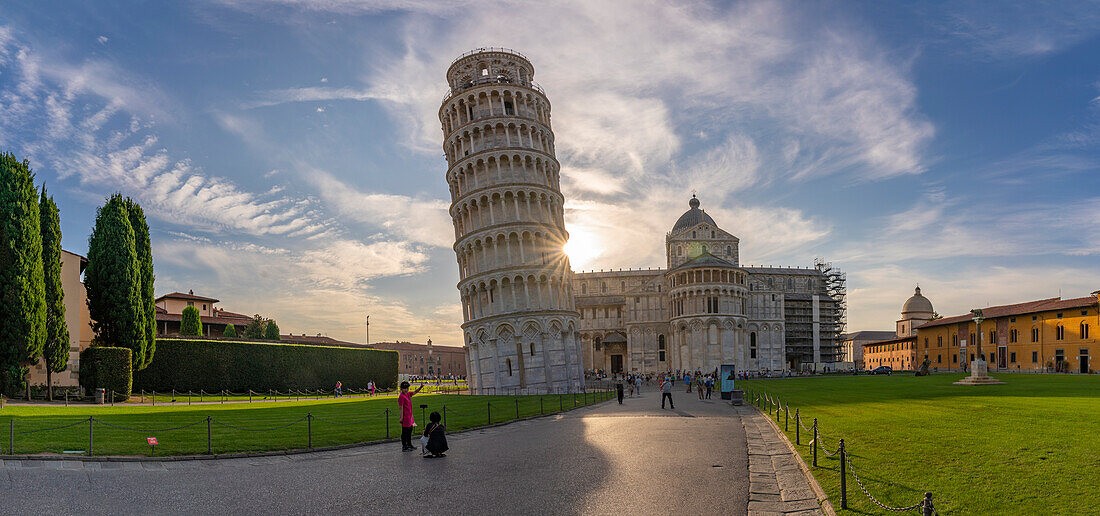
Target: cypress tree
(145, 266)
(56, 349)
(113, 281)
(272, 331)
(22, 292)
(230, 331)
(255, 328)
(190, 323)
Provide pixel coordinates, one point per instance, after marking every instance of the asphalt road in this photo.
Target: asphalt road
(633, 458)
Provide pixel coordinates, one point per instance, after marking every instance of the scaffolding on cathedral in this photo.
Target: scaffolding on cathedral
(835, 287)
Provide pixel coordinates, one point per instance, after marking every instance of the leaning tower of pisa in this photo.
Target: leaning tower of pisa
(515, 282)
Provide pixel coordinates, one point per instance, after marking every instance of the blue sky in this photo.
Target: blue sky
(289, 156)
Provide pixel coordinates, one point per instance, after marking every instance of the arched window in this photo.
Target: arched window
(679, 251)
(704, 249)
(603, 286)
(729, 250)
(597, 343)
(712, 234)
(509, 362)
(532, 349)
(622, 286)
(752, 345)
(1035, 335)
(661, 342)
(1084, 330)
(692, 234)
(584, 288)
(1060, 332)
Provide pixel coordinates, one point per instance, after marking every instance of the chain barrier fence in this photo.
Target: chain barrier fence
(502, 411)
(767, 402)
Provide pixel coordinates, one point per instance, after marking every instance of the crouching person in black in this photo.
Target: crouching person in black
(437, 438)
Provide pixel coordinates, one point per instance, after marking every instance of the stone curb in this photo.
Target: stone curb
(822, 498)
(276, 453)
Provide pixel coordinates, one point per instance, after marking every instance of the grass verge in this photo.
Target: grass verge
(1027, 447)
(255, 427)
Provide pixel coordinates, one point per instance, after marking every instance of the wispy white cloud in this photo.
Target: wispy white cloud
(1006, 30)
(423, 221)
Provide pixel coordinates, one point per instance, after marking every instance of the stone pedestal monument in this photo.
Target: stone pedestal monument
(979, 369)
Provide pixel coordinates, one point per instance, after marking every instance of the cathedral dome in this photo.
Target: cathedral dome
(917, 304)
(692, 217)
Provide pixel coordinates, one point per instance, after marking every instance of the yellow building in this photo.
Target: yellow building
(1046, 335)
(899, 351)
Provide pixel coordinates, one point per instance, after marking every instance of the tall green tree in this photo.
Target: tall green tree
(22, 292)
(56, 349)
(272, 331)
(190, 323)
(255, 328)
(144, 252)
(230, 332)
(113, 281)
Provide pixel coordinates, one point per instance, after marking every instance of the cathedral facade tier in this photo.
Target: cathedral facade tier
(704, 309)
(516, 285)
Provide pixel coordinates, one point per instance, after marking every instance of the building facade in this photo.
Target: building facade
(77, 321)
(704, 309)
(851, 347)
(1045, 335)
(427, 359)
(515, 283)
(169, 313)
(900, 351)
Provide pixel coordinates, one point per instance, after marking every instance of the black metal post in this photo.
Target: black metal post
(90, 421)
(154, 398)
(489, 412)
(112, 392)
(309, 428)
(561, 407)
(815, 442)
(843, 483)
(209, 447)
(250, 395)
(787, 418)
(540, 406)
(928, 509)
(517, 408)
(387, 423)
(188, 398)
(797, 427)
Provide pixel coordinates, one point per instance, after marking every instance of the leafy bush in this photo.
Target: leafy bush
(106, 368)
(213, 366)
(230, 332)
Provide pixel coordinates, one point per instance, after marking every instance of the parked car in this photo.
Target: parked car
(882, 370)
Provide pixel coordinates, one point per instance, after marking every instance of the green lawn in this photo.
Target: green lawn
(1031, 446)
(235, 426)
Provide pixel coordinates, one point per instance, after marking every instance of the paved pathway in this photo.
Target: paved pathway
(603, 459)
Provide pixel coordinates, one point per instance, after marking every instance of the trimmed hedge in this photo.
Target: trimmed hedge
(102, 367)
(213, 366)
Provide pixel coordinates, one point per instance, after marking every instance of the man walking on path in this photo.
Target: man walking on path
(404, 400)
(619, 391)
(666, 393)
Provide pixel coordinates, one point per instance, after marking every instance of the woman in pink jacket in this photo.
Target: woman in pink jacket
(404, 400)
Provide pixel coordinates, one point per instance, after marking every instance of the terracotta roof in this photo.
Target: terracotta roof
(222, 318)
(891, 341)
(869, 335)
(318, 340)
(410, 346)
(1030, 307)
(189, 297)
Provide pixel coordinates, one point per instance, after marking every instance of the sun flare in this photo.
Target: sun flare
(582, 248)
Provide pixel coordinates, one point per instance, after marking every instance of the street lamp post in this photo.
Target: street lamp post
(979, 369)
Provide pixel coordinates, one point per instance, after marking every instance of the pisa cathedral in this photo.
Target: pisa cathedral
(531, 324)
